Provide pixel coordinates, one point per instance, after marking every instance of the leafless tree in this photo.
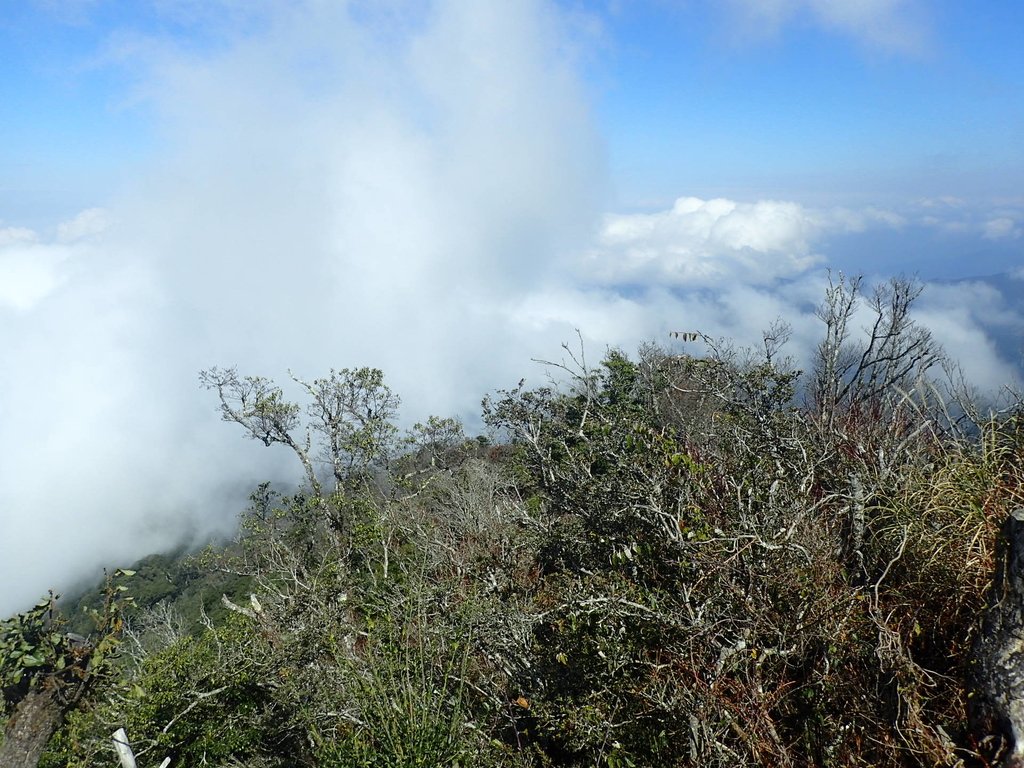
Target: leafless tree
(853, 373)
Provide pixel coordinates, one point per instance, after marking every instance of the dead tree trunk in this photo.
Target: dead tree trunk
(996, 674)
(34, 721)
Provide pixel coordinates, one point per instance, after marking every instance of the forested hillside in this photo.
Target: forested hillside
(658, 559)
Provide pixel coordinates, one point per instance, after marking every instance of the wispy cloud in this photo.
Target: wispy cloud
(1001, 227)
(86, 225)
(898, 26)
(993, 220)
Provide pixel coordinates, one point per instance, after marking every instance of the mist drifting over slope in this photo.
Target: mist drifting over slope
(420, 188)
(333, 192)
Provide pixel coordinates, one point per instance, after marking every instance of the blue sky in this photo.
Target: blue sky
(704, 98)
(447, 190)
(696, 97)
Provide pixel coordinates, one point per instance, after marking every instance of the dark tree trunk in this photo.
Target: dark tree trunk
(34, 720)
(996, 675)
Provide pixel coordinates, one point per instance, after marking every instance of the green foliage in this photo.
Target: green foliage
(47, 674)
(36, 649)
(186, 703)
(613, 478)
(32, 644)
(182, 578)
(725, 583)
(409, 708)
(664, 560)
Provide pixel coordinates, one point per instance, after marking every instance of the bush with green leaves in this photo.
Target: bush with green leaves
(665, 560)
(728, 577)
(46, 673)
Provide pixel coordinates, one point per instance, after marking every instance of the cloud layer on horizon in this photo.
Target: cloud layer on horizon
(699, 243)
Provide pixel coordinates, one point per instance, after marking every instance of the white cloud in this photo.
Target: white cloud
(29, 269)
(702, 242)
(992, 220)
(999, 228)
(87, 224)
(943, 201)
(332, 194)
(851, 220)
(893, 25)
(16, 235)
(963, 317)
(710, 242)
(73, 12)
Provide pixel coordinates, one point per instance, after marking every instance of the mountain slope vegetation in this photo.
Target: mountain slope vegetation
(657, 560)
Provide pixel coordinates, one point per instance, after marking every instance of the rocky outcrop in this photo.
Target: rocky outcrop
(996, 673)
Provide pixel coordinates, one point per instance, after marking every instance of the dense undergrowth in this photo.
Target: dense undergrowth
(661, 560)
